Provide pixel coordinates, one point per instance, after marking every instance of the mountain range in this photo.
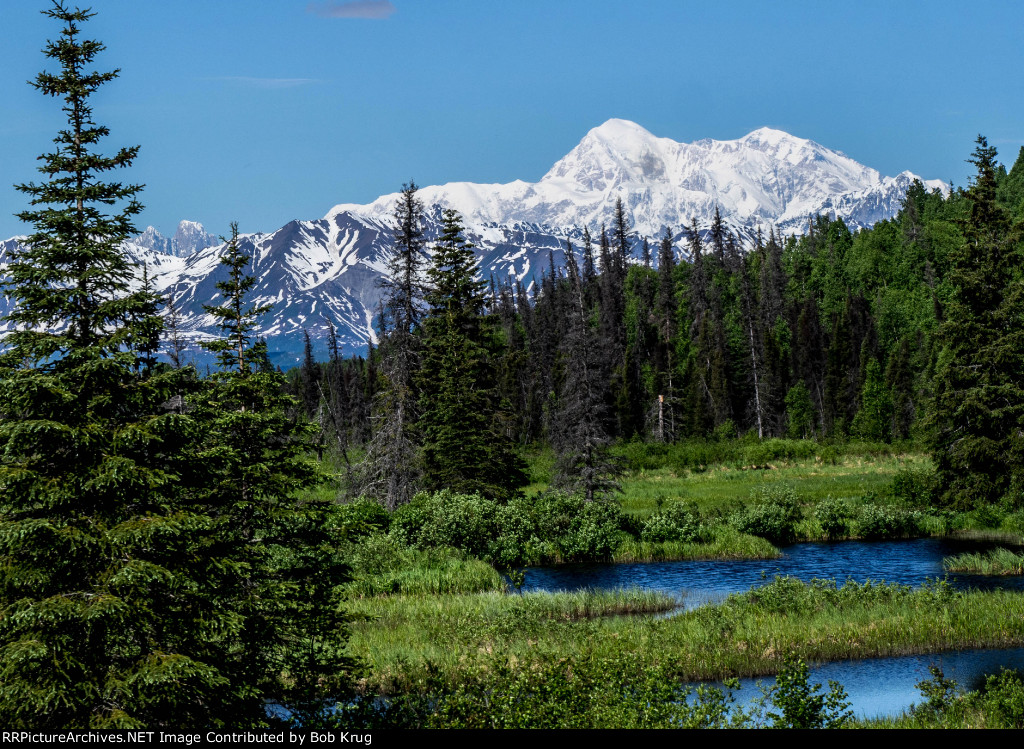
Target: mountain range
(329, 268)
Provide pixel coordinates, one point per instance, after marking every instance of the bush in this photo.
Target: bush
(802, 704)
(595, 536)
(643, 456)
(525, 531)
(775, 450)
(880, 522)
(461, 521)
(517, 543)
(834, 516)
(679, 521)
(914, 487)
(363, 517)
(773, 516)
(1001, 700)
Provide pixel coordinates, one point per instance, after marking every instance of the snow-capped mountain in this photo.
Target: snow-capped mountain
(328, 269)
(765, 178)
(188, 239)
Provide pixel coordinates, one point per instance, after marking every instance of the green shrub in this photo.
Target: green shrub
(642, 456)
(773, 516)
(578, 530)
(363, 517)
(517, 543)
(914, 487)
(802, 705)
(679, 521)
(1001, 700)
(776, 450)
(461, 521)
(881, 522)
(834, 516)
(378, 553)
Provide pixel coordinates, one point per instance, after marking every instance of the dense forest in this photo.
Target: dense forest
(877, 335)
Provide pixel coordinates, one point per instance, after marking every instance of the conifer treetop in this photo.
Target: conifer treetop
(70, 280)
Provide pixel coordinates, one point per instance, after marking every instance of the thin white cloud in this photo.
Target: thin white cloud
(254, 82)
(375, 9)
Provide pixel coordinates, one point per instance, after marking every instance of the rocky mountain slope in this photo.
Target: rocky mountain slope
(327, 269)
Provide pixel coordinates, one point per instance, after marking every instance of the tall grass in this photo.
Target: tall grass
(381, 566)
(748, 635)
(995, 562)
(727, 543)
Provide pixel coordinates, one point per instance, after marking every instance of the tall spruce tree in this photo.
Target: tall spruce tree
(978, 407)
(466, 447)
(104, 618)
(391, 469)
(581, 442)
(282, 585)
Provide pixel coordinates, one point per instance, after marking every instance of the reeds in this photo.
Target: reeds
(995, 562)
(747, 635)
(728, 543)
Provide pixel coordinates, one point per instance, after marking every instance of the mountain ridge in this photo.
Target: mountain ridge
(329, 269)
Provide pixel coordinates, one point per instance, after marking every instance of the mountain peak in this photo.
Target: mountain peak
(770, 136)
(617, 129)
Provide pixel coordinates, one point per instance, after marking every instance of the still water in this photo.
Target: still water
(698, 582)
(880, 687)
(876, 687)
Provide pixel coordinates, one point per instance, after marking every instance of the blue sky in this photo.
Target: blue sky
(263, 112)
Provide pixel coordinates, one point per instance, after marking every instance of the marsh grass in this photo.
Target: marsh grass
(995, 562)
(722, 487)
(383, 567)
(403, 638)
(727, 543)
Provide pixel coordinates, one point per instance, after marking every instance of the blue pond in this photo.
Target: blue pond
(698, 582)
(880, 687)
(876, 687)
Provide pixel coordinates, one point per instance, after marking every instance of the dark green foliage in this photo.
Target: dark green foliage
(235, 317)
(915, 488)
(800, 412)
(391, 470)
(461, 521)
(283, 573)
(998, 703)
(549, 527)
(362, 517)
(979, 384)
(105, 617)
(773, 515)
(874, 420)
(608, 692)
(801, 703)
(465, 447)
(578, 431)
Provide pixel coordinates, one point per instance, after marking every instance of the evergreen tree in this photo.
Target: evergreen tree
(391, 471)
(976, 414)
(105, 620)
(309, 379)
(874, 419)
(584, 463)
(466, 447)
(282, 585)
